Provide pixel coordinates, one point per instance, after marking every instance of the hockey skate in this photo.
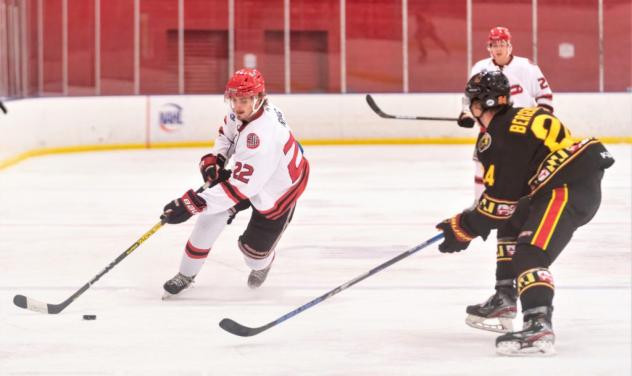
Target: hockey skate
(176, 284)
(535, 339)
(257, 277)
(496, 314)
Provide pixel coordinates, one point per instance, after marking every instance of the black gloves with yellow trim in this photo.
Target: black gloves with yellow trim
(456, 237)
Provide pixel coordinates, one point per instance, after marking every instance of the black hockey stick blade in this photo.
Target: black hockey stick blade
(237, 329)
(37, 306)
(378, 110)
(4, 109)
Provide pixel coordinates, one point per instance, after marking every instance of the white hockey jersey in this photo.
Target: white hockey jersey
(529, 88)
(269, 167)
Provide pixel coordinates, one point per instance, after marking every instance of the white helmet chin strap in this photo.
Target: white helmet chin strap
(257, 103)
(256, 107)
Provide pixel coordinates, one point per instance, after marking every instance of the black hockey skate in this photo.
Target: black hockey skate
(535, 339)
(176, 284)
(257, 277)
(497, 313)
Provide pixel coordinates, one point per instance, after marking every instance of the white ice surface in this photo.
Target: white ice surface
(64, 218)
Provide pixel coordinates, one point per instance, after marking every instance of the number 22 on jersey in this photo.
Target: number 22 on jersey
(243, 171)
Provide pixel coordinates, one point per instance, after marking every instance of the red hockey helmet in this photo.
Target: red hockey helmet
(245, 83)
(499, 33)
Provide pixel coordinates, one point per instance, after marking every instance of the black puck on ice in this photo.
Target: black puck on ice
(89, 317)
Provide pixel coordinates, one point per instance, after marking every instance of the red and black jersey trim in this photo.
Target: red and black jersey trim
(285, 202)
(195, 253)
(233, 192)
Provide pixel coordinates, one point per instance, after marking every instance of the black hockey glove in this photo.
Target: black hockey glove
(183, 208)
(466, 120)
(241, 205)
(211, 166)
(456, 238)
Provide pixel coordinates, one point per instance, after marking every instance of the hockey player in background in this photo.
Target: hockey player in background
(540, 186)
(269, 175)
(528, 88)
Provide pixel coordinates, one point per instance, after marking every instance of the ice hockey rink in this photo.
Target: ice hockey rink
(65, 217)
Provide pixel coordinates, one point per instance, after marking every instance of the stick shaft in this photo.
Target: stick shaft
(378, 110)
(38, 306)
(233, 327)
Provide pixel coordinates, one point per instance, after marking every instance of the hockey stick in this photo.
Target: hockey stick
(377, 110)
(38, 306)
(4, 109)
(237, 329)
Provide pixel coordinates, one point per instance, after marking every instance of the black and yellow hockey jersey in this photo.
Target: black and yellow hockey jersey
(525, 151)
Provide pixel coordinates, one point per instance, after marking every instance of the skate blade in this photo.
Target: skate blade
(168, 296)
(537, 349)
(496, 325)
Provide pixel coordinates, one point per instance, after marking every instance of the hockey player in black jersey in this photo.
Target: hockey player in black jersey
(540, 186)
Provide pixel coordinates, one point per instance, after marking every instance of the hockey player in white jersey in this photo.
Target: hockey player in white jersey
(269, 174)
(528, 88)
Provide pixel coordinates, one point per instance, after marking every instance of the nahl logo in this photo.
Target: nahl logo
(170, 117)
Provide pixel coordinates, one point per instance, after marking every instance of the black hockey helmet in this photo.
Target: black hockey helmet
(491, 88)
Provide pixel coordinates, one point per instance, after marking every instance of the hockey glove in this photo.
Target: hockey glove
(456, 238)
(241, 205)
(211, 165)
(183, 208)
(466, 120)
